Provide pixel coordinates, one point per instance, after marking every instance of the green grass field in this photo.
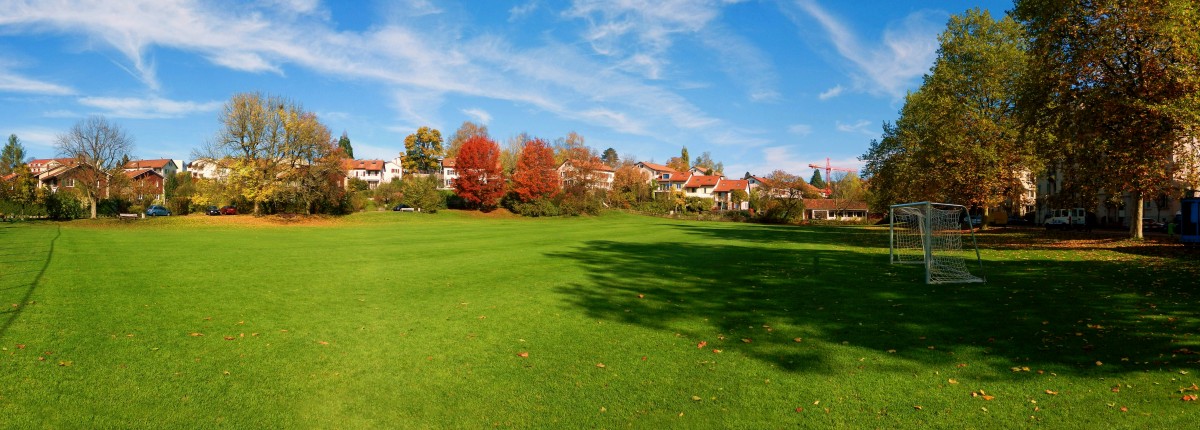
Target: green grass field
(459, 320)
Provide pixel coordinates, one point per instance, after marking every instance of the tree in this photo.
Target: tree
(705, 162)
(389, 193)
(610, 157)
(480, 181)
(422, 150)
(582, 191)
(465, 131)
(536, 175)
(267, 139)
(344, 144)
(846, 189)
(12, 156)
(565, 147)
(1117, 83)
(816, 180)
(512, 152)
(97, 148)
(959, 138)
(630, 186)
(421, 192)
(683, 156)
(782, 198)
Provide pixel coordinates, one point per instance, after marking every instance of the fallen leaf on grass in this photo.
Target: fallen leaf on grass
(1020, 369)
(1116, 389)
(1052, 393)
(230, 338)
(523, 354)
(1189, 398)
(20, 346)
(746, 340)
(193, 334)
(961, 365)
(952, 381)
(716, 351)
(799, 409)
(1124, 409)
(701, 344)
(918, 407)
(322, 342)
(600, 365)
(641, 296)
(695, 398)
(798, 339)
(68, 364)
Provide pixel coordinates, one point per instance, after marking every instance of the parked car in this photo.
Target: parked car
(212, 210)
(401, 207)
(1149, 224)
(228, 210)
(156, 210)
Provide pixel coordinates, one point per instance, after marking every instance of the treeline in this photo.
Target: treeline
(1098, 96)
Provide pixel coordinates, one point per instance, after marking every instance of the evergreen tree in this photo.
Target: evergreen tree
(344, 143)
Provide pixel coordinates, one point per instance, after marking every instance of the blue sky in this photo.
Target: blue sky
(762, 85)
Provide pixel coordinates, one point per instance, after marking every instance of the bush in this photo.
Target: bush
(63, 206)
(737, 216)
(112, 207)
(536, 208)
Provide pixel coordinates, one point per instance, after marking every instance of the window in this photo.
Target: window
(820, 214)
(69, 182)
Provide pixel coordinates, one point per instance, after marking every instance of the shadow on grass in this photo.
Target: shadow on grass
(14, 305)
(1063, 315)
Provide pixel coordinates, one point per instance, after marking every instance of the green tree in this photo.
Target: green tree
(1117, 84)
(465, 131)
(705, 162)
(610, 157)
(959, 137)
(12, 156)
(816, 180)
(97, 148)
(389, 193)
(422, 150)
(344, 144)
(421, 192)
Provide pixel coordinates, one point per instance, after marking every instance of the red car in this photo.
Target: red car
(228, 210)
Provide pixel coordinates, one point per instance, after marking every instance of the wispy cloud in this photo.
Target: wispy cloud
(516, 13)
(144, 108)
(800, 129)
(861, 126)
(10, 82)
(908, 47)
(479, 115)
(831, 93)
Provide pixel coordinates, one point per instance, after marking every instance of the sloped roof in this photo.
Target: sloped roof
(448, 163)
(656, 167)
(697, 181)
(363, 164)
(149, 164)
(676, 177)
(134, 174)
(594, 166)
(727, 185)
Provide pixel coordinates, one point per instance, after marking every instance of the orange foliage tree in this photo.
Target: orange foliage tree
(536, 176)
(480, 181)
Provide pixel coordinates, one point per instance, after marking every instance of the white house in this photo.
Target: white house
(723, 194)
(603, 173)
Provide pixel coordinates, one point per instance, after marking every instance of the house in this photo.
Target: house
(66, 173)
(449, 173)
(163, 166)
(42, 165)
(369, 171)
(834, 209)
(723, 194)
(668, 179)
(208, 169)
(146, 184)
(602, 173)
(700, 186)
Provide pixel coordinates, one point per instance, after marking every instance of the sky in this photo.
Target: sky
(761, 85)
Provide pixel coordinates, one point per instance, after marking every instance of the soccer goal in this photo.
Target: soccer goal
(932, 234)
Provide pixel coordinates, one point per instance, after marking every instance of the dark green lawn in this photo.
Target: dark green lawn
(458, 320)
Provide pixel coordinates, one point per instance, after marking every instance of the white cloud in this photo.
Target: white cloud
(19, 84)
(831, 93)
(144, 108)
(517, 12)
(908, 48)
(858, 127)
(800, 129)
(479, 115)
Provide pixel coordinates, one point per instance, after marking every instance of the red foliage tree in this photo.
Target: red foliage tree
(480, 181)
(536, 175)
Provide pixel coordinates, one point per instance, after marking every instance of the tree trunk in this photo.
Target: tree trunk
(983, 220)
(1135, 216)
(256, 210)
(92, 202)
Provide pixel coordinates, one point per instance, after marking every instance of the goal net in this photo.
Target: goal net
(932, 234)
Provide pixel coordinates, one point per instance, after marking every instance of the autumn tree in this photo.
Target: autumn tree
(536, 175)
(480, 181)
(583, 182)
(465, 131)
(512, 152)
(630, 186)
(344, 144)
(1117, 83)
(388, 193)
(781, 197)
(12, 155)
(97, 148)
(266, 139)
(567, 147)
(959, 138)
(680, 163)
(422, 150)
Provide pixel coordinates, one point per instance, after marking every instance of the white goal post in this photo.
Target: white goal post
(932, 234)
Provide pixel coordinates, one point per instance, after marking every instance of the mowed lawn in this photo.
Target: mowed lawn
(461, 320)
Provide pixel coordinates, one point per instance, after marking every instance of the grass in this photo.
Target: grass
(463, 320)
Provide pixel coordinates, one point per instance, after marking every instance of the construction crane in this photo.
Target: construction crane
(828, 174)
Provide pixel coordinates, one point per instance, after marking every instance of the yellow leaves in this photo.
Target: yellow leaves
(1051, 392)
(600, 365)
(195, 334)
(523, 354)
(1020, 369)
(952, 381)
(982, 394)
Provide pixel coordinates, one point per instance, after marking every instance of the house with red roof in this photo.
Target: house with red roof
(373, 172)
(723, 194)
(834, 209)
(145, 184)
(700, 186)
(449, 173)
(603, 173)
(163, 166)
